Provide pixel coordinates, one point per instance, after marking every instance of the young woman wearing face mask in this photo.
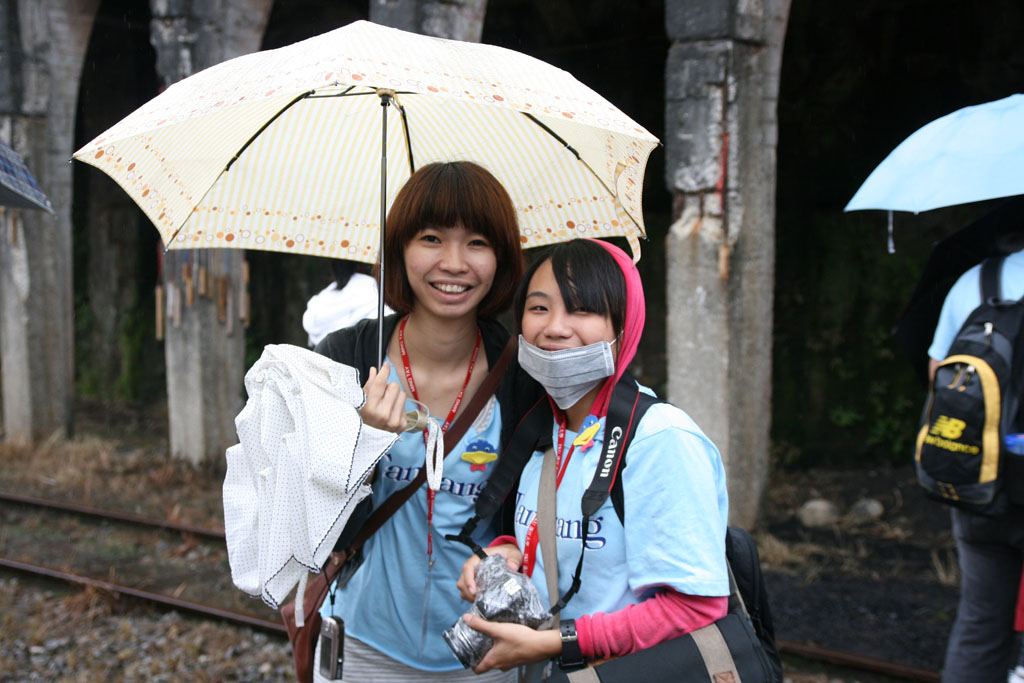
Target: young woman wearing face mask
(452, 262)
(581, 313)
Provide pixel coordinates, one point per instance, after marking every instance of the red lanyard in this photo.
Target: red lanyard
(530, 551)
(431, 494)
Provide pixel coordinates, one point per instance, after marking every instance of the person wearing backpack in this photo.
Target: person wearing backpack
(581, 313)
(990, 548)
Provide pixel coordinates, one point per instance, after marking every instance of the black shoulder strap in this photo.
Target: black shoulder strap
(625, 409)
(991, 279)
(644, 401)
(532, 433)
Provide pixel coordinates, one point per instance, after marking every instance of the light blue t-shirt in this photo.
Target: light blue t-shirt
(676, 512)
(965, 296)
(393, 602)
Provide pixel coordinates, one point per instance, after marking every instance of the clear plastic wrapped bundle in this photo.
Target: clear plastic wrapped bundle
(502, 595)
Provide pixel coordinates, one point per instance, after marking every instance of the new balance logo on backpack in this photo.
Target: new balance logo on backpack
(973, 403)
(944, 433)
(948, 427)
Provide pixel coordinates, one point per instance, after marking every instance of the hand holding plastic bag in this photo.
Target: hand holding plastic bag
(503, 595)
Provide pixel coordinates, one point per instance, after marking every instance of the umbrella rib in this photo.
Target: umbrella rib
(408, 142)
(264, 127)
(242, 149)
(555, 136)
(347, 93)
(579, 158)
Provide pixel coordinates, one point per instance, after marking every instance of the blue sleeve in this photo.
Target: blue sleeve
(963, 297)
(676, 507)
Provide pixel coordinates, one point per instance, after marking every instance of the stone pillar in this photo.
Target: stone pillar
(456, 19)
(45, 43)
(722, 81)
(205, 355)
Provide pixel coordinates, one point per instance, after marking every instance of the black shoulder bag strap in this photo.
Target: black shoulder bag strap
(532, 432)
(991, 280)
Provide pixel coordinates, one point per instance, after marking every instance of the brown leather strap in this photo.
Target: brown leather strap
(452, 437)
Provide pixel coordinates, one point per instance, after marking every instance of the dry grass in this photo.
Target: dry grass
(116, 467)
(946, 567)
(777, 554)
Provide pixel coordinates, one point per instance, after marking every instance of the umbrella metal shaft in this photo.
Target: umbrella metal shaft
(385, 100)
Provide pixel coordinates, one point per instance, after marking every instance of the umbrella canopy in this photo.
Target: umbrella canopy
(298, 472)
(281, 150)
(949, 259)
(973, 154)
(18, 188)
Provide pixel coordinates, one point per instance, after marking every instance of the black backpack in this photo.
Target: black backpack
(973, 402)
(627, 408)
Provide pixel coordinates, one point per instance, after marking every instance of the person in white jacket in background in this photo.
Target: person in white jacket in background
(350, 298)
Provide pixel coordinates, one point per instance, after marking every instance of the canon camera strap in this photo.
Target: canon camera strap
(625, 409)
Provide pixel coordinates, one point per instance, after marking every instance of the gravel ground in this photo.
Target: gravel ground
(47, 635)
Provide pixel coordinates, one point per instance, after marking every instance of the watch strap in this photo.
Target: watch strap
(572, 656)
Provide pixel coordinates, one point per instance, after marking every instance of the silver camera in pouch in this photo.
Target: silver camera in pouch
(332, 647)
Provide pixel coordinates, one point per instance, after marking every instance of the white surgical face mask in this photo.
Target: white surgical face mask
(568, 374)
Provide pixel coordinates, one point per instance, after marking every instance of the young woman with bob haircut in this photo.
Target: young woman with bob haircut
(452, 261)
(660, 574)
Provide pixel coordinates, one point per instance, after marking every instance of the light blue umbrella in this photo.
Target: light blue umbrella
(973, 154)
(17, 186)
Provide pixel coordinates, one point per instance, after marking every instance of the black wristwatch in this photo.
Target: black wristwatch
(572, 656)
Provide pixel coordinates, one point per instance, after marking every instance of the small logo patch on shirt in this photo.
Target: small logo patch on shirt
(588, 431)
(478, 454)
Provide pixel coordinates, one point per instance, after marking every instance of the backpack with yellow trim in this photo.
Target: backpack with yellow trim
(973, 403)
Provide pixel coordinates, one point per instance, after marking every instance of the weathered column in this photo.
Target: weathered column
(204, 349)
(456, 19)
(44, 43)
(722, 82)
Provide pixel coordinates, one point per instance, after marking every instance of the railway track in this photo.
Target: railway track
(806, 651)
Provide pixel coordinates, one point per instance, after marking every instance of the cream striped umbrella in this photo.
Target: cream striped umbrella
(281, 150)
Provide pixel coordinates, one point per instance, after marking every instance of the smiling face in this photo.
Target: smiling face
(456, 193)
(450, 270)
(549, 324)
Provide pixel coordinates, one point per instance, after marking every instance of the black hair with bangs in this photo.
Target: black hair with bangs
(588, 278)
